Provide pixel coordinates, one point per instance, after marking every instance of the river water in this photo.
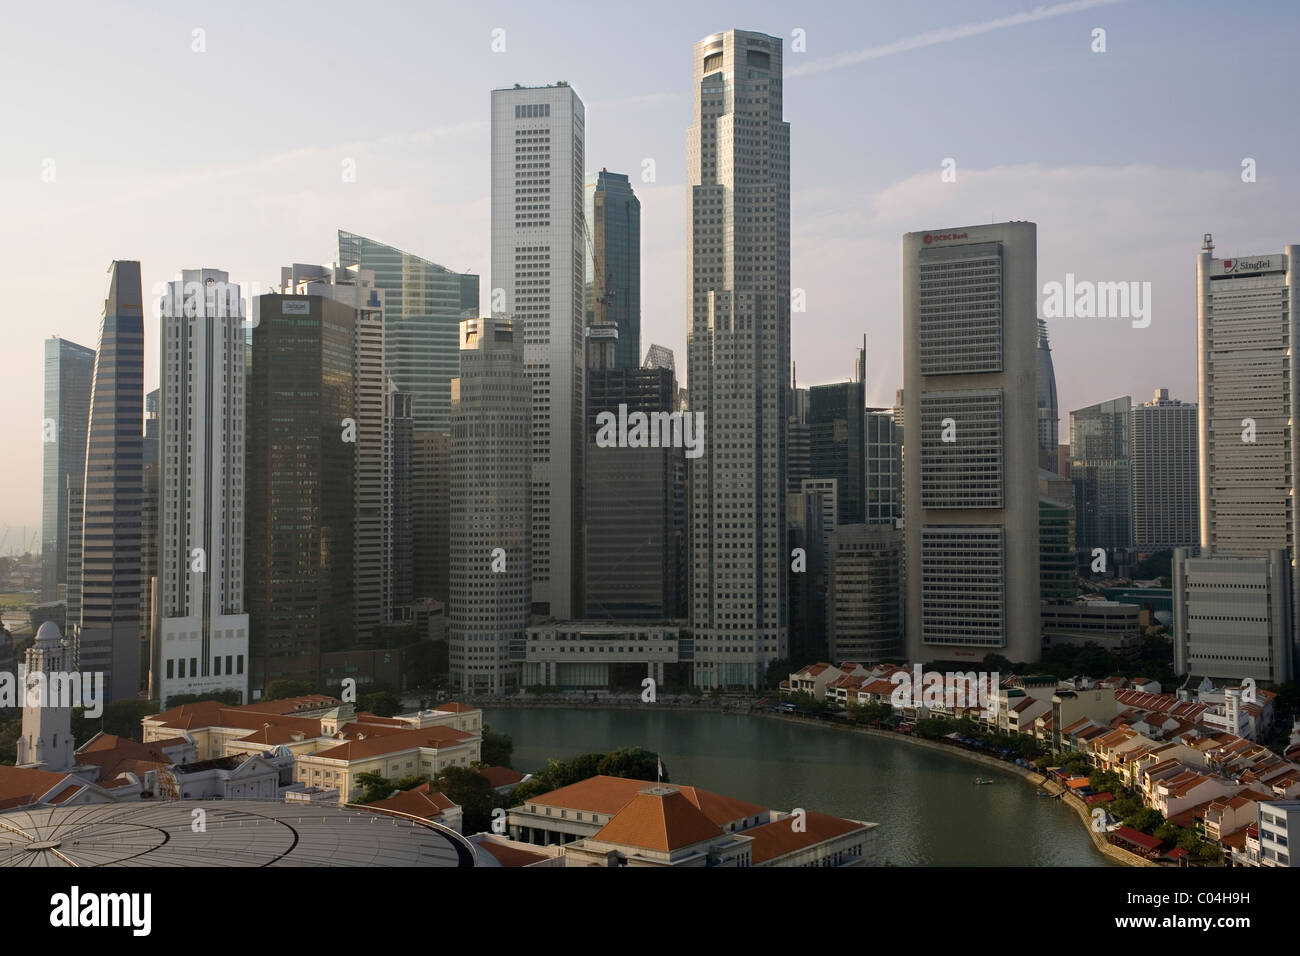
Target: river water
(930, 810)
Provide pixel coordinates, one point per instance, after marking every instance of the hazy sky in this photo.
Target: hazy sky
(231, 158)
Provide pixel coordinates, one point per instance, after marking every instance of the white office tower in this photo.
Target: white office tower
(738, 348)
(201, 644)
(538, 264)
(1232, 616)
(1249, 459)
(491, 574)
(970, 336)
(48, 698)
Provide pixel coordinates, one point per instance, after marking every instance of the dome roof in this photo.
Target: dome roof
(48, 635)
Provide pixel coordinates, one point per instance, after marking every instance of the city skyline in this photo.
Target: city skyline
(1142, 164)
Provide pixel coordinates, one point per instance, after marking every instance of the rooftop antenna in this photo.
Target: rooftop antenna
(1208, 244)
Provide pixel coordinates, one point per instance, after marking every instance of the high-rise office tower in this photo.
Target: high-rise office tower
(1049, 414)
(424, 304)
(69, 369)
(538, 255)
(1101, 469)
(636, 516)
(837, 440)
(491, 473)
(864, 593)
(1247, 311)
(1163, 448)
(430, 515)
(739, 372)
(150, 529)
(798, 440)
(1248, 459)
(108, 639)
(201, 645)
(884, 469)
(301, 476)
(971, 464)
(398, 423)
(613, 287)
(1058, 572)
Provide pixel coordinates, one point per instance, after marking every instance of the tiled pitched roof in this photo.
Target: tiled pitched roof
(607, 795)
(662, 821)
(779, 837)
(422, 801)
(386, 743)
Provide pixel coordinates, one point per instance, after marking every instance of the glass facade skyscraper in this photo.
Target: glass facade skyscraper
(614, 240)
(423, 306)
(108, 640)
(69, 369)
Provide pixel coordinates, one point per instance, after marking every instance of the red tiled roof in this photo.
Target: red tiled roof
(501, 776)
(778, 838)
(422, 801)
(511, 856)
(662, 821)
(607, 795)
(392, 742)
(24, 785)
(1137, 837)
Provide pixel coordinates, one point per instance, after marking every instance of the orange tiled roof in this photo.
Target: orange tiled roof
(422, 801)
(501, 776)
(386, 743)
(607, 795)
(659, 821)
(511, 856)
(25, 785)
(778, 838)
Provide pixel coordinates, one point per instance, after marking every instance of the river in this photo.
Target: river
(930, 810)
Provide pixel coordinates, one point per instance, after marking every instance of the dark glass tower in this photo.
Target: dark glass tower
(614, 261)
(300, 474)
(108, 640)
(636, 506)
(69, 369)
(836, 430)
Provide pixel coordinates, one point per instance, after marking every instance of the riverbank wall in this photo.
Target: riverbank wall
(1031, 776)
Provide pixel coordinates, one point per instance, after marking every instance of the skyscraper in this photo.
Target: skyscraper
(69, 369)
(1247, 309)
(108, 640)
(864, 593)
(538, 255)
(971, 465)
(837, 443)
(1163, 447)
(884, 469)
(301, 484)
(738, 347)
(424, 304)
(202, 642)
(1248, 459)
(1101, 469)
(491, 439)
(430, 515)
(613, 291)
(1049, 415)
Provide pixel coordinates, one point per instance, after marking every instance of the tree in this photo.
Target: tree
(497, 749)
(281, 689)
(777, 671)
(635, 762)
(1145, 820)
(121, 718)
(473, 793)
(374, 786)
(381, 703)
